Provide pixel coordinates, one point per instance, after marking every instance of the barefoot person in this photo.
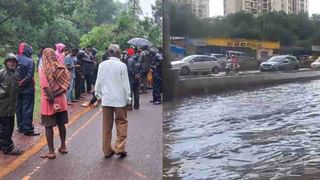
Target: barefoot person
(8, 99)
(113, 88)
(54, 81)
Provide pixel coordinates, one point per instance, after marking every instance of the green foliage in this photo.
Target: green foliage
(125, 28)
(99, 36)
(289, 29)
(46, 22)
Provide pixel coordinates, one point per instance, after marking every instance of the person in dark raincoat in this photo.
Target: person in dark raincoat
(134, 72)
(8, 99)
(25, 104)
(156, 68)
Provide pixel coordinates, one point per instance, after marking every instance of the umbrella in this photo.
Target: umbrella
(140, 42)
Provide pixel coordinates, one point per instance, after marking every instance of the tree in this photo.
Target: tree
(46, 22)
(289, 29)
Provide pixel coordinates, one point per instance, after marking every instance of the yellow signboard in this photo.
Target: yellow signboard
(253, 44)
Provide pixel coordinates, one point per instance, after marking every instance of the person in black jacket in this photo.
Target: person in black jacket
(8, 99)
(25, 104)
(156, 68)
(134, 72)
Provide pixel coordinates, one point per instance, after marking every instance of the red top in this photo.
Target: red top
(130, 52)
(46, 107)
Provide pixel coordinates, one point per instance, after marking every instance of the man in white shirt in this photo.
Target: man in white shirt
(113, 89)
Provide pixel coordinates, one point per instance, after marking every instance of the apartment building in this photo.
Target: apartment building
(264, 6)
(199, 7)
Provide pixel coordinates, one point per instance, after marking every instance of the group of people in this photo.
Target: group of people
(141, 63)
(17, 93)
(82, 65)
(64, 74)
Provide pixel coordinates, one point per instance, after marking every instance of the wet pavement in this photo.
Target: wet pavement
(265, 133)
(85, 159)
(26, 142)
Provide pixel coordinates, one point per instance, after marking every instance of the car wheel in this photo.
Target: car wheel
(215, 70)
(184, 71)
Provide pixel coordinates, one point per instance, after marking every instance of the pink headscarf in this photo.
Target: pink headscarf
(59, 54)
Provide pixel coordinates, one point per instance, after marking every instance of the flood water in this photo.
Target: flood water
(267, 133)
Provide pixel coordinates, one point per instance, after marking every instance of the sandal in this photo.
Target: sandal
(63, 151)
(48, 156)
(14, 152)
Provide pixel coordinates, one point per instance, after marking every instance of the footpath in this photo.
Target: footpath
(85, 159)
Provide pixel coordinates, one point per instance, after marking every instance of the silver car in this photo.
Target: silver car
(197, 63)
(222, 59)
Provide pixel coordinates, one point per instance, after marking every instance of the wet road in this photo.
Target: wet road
(266, 133)
(85, 159)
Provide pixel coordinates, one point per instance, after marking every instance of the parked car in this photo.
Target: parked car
(222, 59)
(280, 63)
(197, 63)
(316, 63)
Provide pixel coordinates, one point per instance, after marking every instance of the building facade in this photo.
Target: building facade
(199, 7)
(264, 6)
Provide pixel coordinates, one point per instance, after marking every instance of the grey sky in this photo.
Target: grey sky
(216, 7)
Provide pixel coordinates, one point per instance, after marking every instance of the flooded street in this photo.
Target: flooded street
(266, 133)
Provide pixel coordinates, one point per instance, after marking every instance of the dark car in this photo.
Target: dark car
(280, 63)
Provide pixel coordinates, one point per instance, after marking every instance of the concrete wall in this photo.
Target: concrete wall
(209, 84)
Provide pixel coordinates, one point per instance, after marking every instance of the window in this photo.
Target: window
(198, 59)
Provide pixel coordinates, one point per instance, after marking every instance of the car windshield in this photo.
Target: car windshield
(276, 59)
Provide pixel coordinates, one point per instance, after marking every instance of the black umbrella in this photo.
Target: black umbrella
(140, 42)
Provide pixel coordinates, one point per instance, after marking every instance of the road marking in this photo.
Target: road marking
(92, 118)
(7, 169)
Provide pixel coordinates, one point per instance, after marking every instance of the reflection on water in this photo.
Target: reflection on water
(266, 133)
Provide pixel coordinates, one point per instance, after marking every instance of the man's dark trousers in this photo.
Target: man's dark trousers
(25, 107)
(6, 131)
(156, 93)
(135, 88)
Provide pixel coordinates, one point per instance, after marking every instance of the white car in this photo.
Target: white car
(197, 63)
(316, 63)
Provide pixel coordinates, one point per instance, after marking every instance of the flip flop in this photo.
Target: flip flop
(63, 151)
(48, 156)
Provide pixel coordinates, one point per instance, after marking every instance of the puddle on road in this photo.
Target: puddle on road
(271, 132)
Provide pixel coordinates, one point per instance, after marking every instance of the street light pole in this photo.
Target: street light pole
(169, 81)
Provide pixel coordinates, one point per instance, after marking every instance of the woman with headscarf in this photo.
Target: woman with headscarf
(54, 81)
(59, 52)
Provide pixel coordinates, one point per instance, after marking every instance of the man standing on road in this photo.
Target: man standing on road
(134, 69)
(25, 104)
(113, 88)
(69, 63)
(8, 98)
(145, 60)
(156, 68)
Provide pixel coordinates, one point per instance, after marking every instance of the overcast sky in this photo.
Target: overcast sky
(145, 6)
(216, 7)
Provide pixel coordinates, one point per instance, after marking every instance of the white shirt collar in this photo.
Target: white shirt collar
(114, 58)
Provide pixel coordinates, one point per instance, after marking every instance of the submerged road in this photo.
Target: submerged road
(85, 159)
(260, 133)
